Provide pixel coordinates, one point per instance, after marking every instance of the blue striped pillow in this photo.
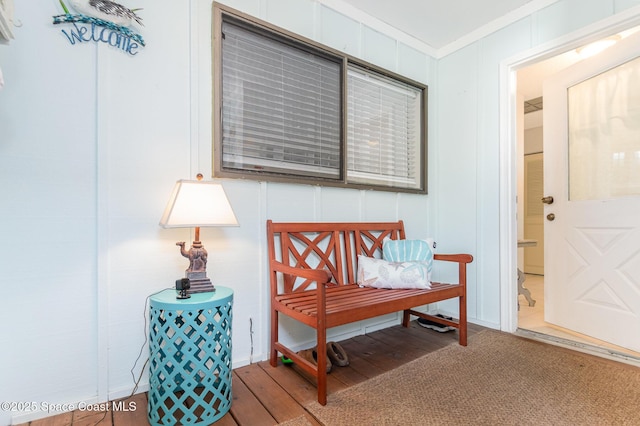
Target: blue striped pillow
(408, 251)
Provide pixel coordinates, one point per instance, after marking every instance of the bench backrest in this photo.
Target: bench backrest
(333, 246)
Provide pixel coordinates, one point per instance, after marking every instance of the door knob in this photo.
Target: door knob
(551, 217)
(547, 200)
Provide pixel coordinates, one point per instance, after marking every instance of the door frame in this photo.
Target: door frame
(511, 110)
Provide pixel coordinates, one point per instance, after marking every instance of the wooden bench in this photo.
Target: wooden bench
(313, 280)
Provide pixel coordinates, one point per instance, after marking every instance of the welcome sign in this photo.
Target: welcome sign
(101, 21)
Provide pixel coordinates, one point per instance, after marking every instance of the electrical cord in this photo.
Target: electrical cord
(146, 339)
(136, 382)
(251, 337)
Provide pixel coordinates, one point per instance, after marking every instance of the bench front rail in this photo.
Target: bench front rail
(313, 269)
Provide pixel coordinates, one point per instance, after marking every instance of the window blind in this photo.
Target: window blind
(281, 106)
(383, 130)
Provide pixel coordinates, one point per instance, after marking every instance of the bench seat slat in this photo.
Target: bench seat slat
(344, 305)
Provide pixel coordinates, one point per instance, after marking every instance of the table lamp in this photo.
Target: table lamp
(196, 203)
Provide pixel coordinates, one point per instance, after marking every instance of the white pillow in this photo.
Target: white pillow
(379, 273)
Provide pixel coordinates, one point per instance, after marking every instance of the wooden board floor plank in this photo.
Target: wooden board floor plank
(378, 354)
(64, 419)
(130, 410)
(360, 369)
(93, 418)
(282, 406)
(433, 339)
(430, 337)
(333, 383)
(246, 409)
(347, 376)
(408, 347)
(226, 420)
(413, 343)
(298, 386)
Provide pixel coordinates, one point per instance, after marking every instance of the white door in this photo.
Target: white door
(592, 171)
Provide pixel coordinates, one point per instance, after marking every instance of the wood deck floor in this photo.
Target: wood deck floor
(263, 395)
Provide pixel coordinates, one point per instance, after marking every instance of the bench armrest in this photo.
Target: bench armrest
(321, 276)
(459, 258)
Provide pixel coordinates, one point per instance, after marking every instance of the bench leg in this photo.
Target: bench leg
(406, 317)
(273, 358)
(462, 321)
(321, 375)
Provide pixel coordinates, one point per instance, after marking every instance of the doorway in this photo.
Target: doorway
(521, 317)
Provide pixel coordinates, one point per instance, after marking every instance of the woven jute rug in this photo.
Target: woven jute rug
(498, 379)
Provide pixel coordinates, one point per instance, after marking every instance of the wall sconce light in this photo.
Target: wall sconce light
(194, 204)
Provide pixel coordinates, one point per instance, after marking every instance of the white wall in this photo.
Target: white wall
(533, 140)
(92, 141)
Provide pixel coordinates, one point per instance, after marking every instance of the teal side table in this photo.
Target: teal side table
(190, 357)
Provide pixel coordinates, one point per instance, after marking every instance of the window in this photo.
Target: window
(383, 130)
(290, 110)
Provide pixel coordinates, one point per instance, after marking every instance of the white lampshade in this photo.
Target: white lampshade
(198, 203)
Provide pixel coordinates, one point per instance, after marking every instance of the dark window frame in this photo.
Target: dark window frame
(222, 13)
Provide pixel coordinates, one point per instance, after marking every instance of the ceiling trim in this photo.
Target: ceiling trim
(364, 18)
(493, 26)
(376, 24)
